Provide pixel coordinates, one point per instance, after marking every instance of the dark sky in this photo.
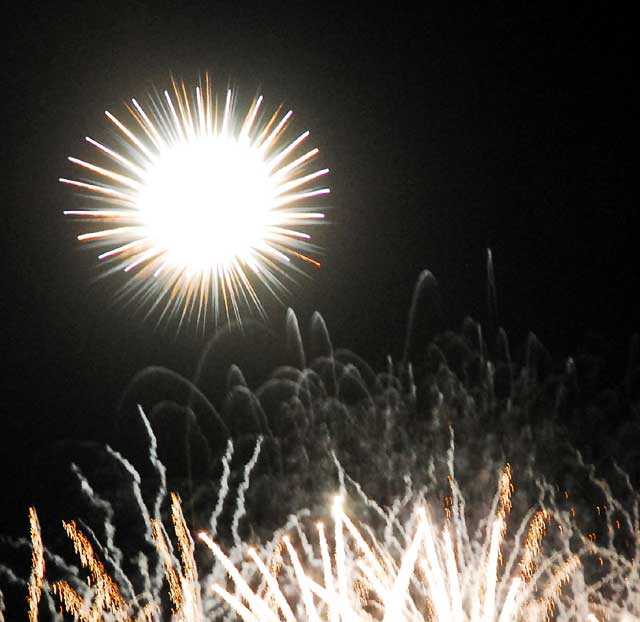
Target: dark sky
(447, 132)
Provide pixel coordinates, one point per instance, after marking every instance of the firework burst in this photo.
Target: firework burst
(198, 203)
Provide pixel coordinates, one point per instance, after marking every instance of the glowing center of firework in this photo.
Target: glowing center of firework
(206, 202)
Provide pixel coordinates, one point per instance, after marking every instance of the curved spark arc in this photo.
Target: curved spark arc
(200, 205)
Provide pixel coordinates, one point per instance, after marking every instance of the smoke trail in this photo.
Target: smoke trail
(223, 489)
(242, 489)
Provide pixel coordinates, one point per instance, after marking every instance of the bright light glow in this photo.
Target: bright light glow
(207, 202)
(198, 204)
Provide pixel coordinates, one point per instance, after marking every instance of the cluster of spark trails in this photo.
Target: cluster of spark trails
(395, 566)
(196, 204)
(415, 573)
(440, 576)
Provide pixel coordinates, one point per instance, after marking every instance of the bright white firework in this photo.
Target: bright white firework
(198, 204)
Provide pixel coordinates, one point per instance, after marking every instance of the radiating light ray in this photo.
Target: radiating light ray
(307, 597)
(328, 574)
(105, 233)
(274, 587)
(211, 203)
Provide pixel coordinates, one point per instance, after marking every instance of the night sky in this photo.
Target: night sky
(447, 132)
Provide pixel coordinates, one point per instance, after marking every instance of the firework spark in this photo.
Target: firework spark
(198, 203)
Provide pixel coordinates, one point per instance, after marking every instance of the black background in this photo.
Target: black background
(446, 131)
